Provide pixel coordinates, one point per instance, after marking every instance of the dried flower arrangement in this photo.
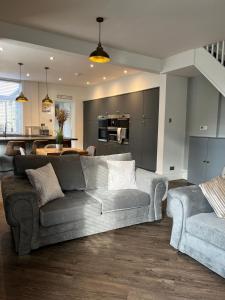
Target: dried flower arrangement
(61, 115)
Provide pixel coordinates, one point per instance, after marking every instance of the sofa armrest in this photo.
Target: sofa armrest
(21, 211)
(182, 203)
(156, 186)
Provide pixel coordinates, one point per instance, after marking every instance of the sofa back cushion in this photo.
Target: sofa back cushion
(95, 169)
(67, 168)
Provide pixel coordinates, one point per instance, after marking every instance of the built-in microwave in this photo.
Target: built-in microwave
(102, 121)
(114, 128)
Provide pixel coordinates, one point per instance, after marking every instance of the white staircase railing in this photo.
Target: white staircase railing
(217, 50)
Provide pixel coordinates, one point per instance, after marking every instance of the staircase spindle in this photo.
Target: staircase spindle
(217, 50)
(222, 53)
(212, 49)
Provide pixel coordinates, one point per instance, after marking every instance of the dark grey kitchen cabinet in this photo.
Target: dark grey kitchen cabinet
(151, 103)
(206, 158)
(95, 108)
(133, 104)
(149, 144)
(114, 104)
(91, 133)
(135, 140)
(143, 128)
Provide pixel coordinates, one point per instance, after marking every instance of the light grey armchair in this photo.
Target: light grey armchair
(197, 231)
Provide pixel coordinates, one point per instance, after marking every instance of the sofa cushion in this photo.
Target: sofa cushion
(207, 227)
(121, 175)
(95, 169)
(67, 168)
(214, 191)
(46, 183)
(120, 199)
(74, 206)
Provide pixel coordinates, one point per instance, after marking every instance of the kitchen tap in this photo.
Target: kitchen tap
(5, 132)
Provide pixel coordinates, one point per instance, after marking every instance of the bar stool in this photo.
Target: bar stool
(38, 144)
(66, 143)
(13, 147)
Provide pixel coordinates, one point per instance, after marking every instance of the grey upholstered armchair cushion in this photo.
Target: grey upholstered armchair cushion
(207, 227)
(67, 168)
(95, 169)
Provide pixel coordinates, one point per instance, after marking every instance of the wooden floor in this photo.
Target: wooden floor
(135, 263)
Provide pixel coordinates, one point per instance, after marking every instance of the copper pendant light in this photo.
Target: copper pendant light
(21, 98)
(99, 55)
(47, 101)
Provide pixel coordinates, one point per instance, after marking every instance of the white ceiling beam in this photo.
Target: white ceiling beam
(73, 45)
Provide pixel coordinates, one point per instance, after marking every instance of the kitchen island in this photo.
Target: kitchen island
(29, 138)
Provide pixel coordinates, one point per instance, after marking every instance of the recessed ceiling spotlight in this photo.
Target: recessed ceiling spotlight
(91, 65)
(104, 78)
(51, 57)
(88, 82)
(125, 71)
(1, 49)
(60, 79)
(28, 74)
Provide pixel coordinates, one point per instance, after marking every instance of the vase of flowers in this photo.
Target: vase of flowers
(61, 115)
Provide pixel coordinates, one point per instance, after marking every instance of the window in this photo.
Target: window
(10, 110)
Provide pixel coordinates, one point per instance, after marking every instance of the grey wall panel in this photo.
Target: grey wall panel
(197, 159)
(215, 157)
(202, 109)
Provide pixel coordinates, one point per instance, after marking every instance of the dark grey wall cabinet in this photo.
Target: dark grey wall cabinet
(143, 107)
(206, 158)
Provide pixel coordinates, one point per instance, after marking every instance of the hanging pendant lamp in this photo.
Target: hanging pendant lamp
(21, 98)
(47, 101)
(99, 55)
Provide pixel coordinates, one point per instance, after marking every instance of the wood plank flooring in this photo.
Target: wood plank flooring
(134, 263)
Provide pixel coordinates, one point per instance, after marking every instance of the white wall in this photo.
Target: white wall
(203, 104)
(171, 136)
(126, 84)
(32, 111)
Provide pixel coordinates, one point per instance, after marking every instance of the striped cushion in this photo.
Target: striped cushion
(214, 191)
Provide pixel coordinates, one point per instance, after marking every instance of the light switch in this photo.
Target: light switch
(203, 128)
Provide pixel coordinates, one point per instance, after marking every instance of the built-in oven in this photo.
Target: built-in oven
(102, 128)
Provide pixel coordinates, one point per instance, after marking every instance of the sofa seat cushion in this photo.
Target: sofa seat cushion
(120, 199)
(74, 206)
(207, 227)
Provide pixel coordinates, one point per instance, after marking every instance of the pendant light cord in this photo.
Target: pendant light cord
(99, 34)
(46, 78)
(20, 74)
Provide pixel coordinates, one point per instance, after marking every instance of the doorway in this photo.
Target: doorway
(68, 128)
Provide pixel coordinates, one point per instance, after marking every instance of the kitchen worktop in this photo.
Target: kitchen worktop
(29, 138)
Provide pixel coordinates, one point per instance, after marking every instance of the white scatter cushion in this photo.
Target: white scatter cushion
(46, 183)
(214, 191)
(121, 175)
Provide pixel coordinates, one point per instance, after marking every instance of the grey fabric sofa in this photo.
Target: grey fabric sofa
(82, 211)
(197, 231)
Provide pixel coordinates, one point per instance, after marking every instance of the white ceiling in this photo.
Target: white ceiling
(153, 27)
(64, 65)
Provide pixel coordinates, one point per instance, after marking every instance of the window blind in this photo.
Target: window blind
(10, 110)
